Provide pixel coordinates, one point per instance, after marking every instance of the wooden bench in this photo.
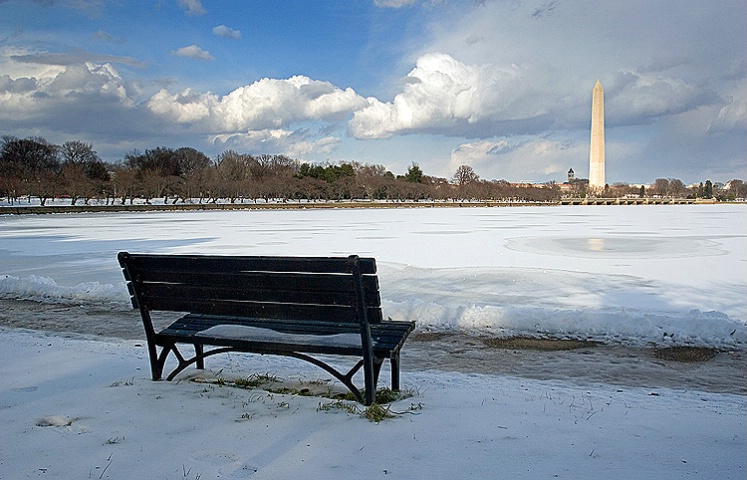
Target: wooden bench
(293, 306)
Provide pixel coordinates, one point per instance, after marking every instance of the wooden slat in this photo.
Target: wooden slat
(256, 309)
(257, 294)
(245, 263)
(266, 281)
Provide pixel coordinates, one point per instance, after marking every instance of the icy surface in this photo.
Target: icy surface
(632, 274)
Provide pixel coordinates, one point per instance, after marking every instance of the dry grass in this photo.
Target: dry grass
(686, 354)
(541, 344)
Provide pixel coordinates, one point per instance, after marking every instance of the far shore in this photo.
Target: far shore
(21, 208)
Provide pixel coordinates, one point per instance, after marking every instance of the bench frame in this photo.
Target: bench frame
(250, 291)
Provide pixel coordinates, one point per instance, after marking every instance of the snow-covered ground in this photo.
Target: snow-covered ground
(75, 406)
(628, 274)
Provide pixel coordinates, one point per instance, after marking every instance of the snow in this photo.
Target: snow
(630, 274)
(83, 406)
(265, 334)
(96, 414)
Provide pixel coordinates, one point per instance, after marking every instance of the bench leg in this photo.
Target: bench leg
(200, 360)
(394, 362)
(369, 376)
(157, 363)
(155, 366)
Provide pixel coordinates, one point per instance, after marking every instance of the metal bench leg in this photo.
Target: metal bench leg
(200, 359)
(394, 362)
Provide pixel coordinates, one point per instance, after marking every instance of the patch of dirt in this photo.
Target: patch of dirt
(541, 344)
(429, 336)
(686, 354)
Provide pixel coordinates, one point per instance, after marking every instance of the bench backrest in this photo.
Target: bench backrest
(293, 288)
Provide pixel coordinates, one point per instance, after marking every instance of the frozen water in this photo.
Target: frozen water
(630, 274)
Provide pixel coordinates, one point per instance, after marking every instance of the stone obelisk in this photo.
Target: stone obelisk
(596, 151)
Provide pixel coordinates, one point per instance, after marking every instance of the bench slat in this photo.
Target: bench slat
(329, 313)
(332, 284)
(255, 293)
(201, 322)
(228, 264)
(386, 337)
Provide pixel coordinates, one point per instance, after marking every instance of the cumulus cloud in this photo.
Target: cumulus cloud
(265, 104)
(193, 51)
(64, 98)
(444, 95)
(192, 7)
(226, 32)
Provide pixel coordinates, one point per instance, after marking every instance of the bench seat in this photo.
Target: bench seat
(296, 335)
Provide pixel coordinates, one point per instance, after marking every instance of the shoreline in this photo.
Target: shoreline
(293, 205)
(342, 204)
(446, 351)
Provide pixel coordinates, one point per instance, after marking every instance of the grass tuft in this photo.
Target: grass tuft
(255, 380)
(374, 413)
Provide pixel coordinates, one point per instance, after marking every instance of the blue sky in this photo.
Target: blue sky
(501, 85)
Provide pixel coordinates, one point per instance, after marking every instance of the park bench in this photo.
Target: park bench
(293, 306)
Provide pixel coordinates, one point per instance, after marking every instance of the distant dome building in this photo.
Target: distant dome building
(571, 175)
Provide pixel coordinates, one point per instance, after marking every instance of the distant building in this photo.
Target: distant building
(574, 186)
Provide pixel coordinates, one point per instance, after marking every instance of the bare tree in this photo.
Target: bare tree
(465, 174)
(34, 163)
(83, 172)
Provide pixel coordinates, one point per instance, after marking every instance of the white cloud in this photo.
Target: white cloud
(733, 114)
(637, 98)
(65, 98)
(294, 144)
(186, 107)
(444, 95)
(192, 7)
(265, 104)
(193, 51)
(393, 3)
(226, 32)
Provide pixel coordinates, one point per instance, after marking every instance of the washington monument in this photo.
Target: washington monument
(596, 151)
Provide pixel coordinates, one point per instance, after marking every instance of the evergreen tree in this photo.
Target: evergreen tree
(708, 189)
(414, 174)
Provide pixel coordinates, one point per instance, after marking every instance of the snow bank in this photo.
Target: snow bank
(46, 290)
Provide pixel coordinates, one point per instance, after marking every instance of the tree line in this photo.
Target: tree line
(33, 167)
